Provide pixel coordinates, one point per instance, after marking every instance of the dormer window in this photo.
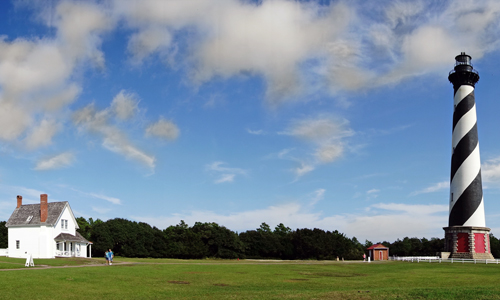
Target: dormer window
(29, 219)
(64, 224)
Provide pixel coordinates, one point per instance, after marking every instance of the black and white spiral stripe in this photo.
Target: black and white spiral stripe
(466, 192)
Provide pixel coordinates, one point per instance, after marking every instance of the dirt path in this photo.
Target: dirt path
(242, 262)
(44, 267)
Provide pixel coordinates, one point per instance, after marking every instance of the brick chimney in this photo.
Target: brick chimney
(44, 208)
(19, 201)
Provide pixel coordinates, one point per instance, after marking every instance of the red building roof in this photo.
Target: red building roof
(377, 246)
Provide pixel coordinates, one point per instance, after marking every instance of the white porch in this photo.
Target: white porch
(73, 249)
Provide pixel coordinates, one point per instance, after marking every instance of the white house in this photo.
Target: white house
(45, 230)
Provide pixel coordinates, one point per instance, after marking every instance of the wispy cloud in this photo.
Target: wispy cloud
(434, 188)
(317, 196)
(255, 132)
(30, 195)
(124, 105)
(372, 194)
(490, 171)
(163, 129)
(327, 137)
(107, 198)
(224, 174)
(225, 178)
(101, 210)
(101, 196)
(303, 169)
(113, 139)
(59, 161)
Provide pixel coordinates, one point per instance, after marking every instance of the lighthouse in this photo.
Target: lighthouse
(466, 235)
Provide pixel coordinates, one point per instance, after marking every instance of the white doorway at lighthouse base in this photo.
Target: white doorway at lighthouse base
(467, 242)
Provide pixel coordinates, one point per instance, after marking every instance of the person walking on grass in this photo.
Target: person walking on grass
(106, 257)
(111, 255)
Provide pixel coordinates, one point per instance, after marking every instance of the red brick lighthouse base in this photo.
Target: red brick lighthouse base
(468, 242)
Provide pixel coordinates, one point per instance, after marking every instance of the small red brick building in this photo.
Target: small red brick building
(378, 252)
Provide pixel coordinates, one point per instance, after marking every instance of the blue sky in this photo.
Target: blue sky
(316, 114)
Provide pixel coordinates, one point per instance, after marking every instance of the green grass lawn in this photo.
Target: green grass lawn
(231, 279)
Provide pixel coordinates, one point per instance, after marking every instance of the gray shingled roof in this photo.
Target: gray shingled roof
(21, 214)
(71, 238)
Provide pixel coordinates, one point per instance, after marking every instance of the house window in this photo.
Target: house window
(62, 224)
(65, 224)
(18, 244)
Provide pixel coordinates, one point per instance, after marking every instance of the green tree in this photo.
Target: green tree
(84, 227)
(4, 242)
(284, 236)
(261, 243)
(495, 246)
(264, 228)
(182, 242)
(219, 241)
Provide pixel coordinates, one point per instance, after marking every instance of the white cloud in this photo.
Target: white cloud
(115, 141)
(392, 220)
(147, 41)
(36, 74)
(224, 174)
(164, 129)
(255, 132)
(326, 134)
(217, 166)
(88, 118)
(42, 134)
(59, 161)
(353, 51)
(30, 196)
(62, 98)
(320, 129)
(79, 25)
(284, 154)
(317, 196)
(225, 178)
(103, 197)
(124, 105)
(238, 37)
(490, 171)
(303, 169)
(329, 153)
(14, 120)
(100, 210)
(112, 200)
(434, 188)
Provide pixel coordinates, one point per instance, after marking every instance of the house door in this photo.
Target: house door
(380, 255)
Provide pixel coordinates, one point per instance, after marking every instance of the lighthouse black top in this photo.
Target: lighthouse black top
(463, 73)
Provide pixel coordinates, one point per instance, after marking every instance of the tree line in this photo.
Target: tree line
(137, 239)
